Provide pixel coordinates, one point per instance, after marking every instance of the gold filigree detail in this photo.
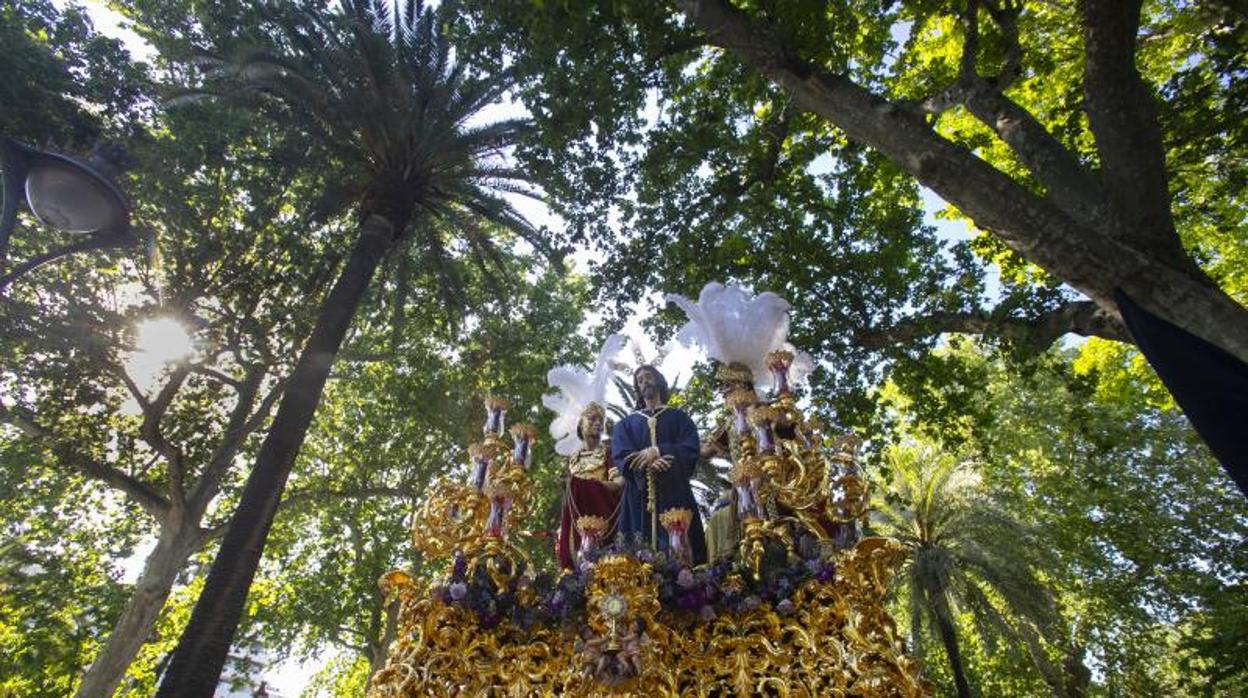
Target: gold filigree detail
(835, 640)
(831, 638)
(590, 525)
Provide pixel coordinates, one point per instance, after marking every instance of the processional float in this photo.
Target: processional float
(790, 604)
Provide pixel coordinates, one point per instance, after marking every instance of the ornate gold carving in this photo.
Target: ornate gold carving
(676, 518)
(590, 525)
(833, 639)
(829, 636)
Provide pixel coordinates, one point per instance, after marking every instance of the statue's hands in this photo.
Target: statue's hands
(644, 457)
(661, 463)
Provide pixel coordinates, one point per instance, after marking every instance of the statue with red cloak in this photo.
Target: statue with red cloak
(591, 500)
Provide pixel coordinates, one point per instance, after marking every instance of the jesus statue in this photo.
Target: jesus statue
(656, 449)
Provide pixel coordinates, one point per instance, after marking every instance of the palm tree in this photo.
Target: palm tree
(964, 554)
(377, 91)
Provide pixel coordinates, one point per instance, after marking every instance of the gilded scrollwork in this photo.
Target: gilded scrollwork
(484, 629)
(837, 639)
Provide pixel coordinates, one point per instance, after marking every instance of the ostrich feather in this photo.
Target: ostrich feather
(575, 388)
(730, 323)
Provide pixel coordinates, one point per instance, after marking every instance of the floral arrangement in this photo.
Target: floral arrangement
(697, 594)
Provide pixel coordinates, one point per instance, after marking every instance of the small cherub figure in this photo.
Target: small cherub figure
(628, 659)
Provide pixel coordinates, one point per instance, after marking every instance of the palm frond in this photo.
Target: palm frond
(376, 86)
(965, 552)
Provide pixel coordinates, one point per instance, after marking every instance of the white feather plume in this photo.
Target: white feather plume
(731, 324)
(576, 388)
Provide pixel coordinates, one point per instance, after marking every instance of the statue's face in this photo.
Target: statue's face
(648, 383)
(592, 426)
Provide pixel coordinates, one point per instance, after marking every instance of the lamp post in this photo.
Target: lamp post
(65, 194)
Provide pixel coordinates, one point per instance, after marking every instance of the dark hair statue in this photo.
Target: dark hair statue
(664, 391)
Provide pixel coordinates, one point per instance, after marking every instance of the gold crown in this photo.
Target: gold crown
(779, 360)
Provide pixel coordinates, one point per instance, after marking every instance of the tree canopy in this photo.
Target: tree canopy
(797, 147)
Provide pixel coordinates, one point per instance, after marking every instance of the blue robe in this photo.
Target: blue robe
(676, 436)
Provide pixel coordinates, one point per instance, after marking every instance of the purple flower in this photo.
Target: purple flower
(460, 567)
(785, 607)
(750, 603)
(556, 603)
(458, 591)
(692, 599)
(827, 574)
(645, 555)
(685, 578)
(666, 591)
(707, 614)
(814, 566)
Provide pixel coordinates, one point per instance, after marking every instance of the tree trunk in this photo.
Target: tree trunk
(173, 548)
(944, 622)
(200, 656)
(1078, 675)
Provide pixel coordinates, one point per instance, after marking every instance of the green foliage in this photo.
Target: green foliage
(968, 559)
(58, 577)
(343, 676)
(375, 94)
(1144, 529)
(682, 164)
(1093, 531)
(62, 84)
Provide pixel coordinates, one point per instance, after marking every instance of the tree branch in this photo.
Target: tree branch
(1028, 224)
(133, 388)
(303, 498)
(1090, 260)
(266, 406)
(970, 44)
(217, 376)
(1005, 14)
(138, 491)
(238, 427)
(153, 413)
(1123, 119)
(1072, 187)
(1034, 334)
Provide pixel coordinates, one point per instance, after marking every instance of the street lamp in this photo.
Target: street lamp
(65, 194)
